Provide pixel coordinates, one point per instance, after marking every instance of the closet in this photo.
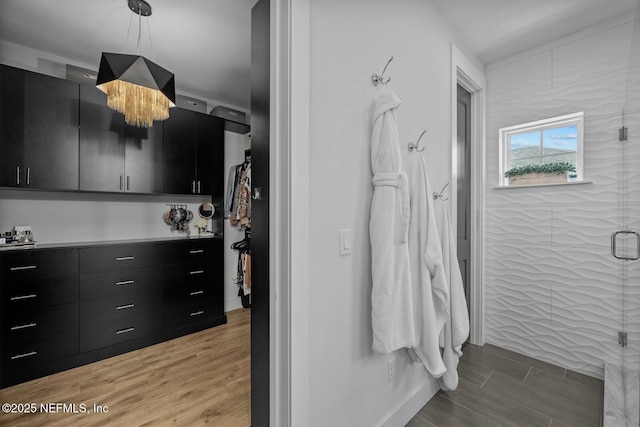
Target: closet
(237, 220)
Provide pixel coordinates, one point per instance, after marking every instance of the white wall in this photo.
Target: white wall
(350, 40)
(553, 291)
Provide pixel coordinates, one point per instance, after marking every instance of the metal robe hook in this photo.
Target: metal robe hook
(440, 195)
(379, 79)
(416, 146)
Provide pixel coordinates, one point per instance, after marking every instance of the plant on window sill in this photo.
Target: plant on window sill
(546, 173)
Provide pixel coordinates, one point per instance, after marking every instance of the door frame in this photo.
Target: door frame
(468, 75)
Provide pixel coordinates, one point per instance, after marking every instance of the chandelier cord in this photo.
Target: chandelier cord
(126, 42)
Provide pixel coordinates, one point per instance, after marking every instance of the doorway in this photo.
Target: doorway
(463, 170)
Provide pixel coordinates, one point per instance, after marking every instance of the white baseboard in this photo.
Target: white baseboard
(407, 410)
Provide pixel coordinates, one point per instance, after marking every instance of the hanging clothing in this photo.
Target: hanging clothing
(456, 330)
(428, 278)
(392, 306)
(238, 196)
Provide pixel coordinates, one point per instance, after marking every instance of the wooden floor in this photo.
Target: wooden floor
(202, 378)
(502, 388)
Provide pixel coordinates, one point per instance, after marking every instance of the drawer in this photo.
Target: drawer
(33, 264)
(29, 295)
(187, 313)
(192, 251)
(118, 257)
(47, 334)
(191, 292)
(112, 283)
(111, 320)
(185, 274)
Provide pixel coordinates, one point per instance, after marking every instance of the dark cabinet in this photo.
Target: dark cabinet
(193, 291)
(38, 130)
(114, 156)
(39, 310)
(193, 153)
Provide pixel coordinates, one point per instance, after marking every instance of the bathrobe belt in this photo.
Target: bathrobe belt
(399, 180)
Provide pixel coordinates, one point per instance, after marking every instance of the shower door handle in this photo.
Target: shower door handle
(614, 251)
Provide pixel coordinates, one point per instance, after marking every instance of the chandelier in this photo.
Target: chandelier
(138, 88)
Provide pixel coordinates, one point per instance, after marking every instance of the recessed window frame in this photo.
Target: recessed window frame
(506, 133)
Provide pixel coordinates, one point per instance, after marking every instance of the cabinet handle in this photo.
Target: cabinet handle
(124, 331)
(123, 307)
(20, 356)
(196, 313)
(124, 258)
(196, 293)
(196, 272)
(17, 175)
(128, 182)
(23, 297)
(121, 183)
(199, 189)
(193, 186)
(29, 325)
(28, 176)
(125, 282)
(27, 267)
(196, 251)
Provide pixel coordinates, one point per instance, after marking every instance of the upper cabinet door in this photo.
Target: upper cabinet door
(210, 156)
(11, 125)
(38, 130)
(180, 138)
(143, 158)
(51, 132)
(101, 143)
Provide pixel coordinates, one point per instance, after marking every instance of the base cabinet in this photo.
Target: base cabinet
(63, 308)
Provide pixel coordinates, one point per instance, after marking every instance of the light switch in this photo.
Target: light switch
(345, 241)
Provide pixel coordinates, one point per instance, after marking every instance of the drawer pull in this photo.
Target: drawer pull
(196, 293)
(124, 258)
(124, 331)
(20, 356)
(29, 325)
(125, 282)
(123, 307)
(196, 272)
(197, 251)
(27, 267)
(23, 297)
(196, 313)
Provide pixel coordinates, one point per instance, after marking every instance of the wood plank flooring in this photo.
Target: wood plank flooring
(501, 388)
(202, 378)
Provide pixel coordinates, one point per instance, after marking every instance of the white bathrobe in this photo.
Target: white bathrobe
(429, 284)
(391, 299)
(456, 330)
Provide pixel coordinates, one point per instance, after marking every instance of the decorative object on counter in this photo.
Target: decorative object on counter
(178, 218)
(206, 212)
(20, 236)
(136, 87)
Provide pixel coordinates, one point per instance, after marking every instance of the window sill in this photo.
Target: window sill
(555, 184)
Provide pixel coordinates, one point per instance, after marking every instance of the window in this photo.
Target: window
(558, 139)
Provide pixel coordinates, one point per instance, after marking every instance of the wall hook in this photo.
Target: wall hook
(416, 146)
(440, 195)
(379, 79)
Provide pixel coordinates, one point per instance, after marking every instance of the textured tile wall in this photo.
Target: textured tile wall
(553, 290)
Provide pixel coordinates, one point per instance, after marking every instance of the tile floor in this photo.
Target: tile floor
(501, 388)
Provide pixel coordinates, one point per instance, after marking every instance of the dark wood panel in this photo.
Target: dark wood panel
(99, 285)
(144, 159)
(101, 143)
(26, 295)
(118, 257)
(11, 124)
(51, 133)
(180, 136)
(22, 266)
(260, 287)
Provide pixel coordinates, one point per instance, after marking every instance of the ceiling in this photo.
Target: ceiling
(497, 29)
(206, 43)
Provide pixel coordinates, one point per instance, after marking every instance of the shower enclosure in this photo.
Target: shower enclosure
(562, 274)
